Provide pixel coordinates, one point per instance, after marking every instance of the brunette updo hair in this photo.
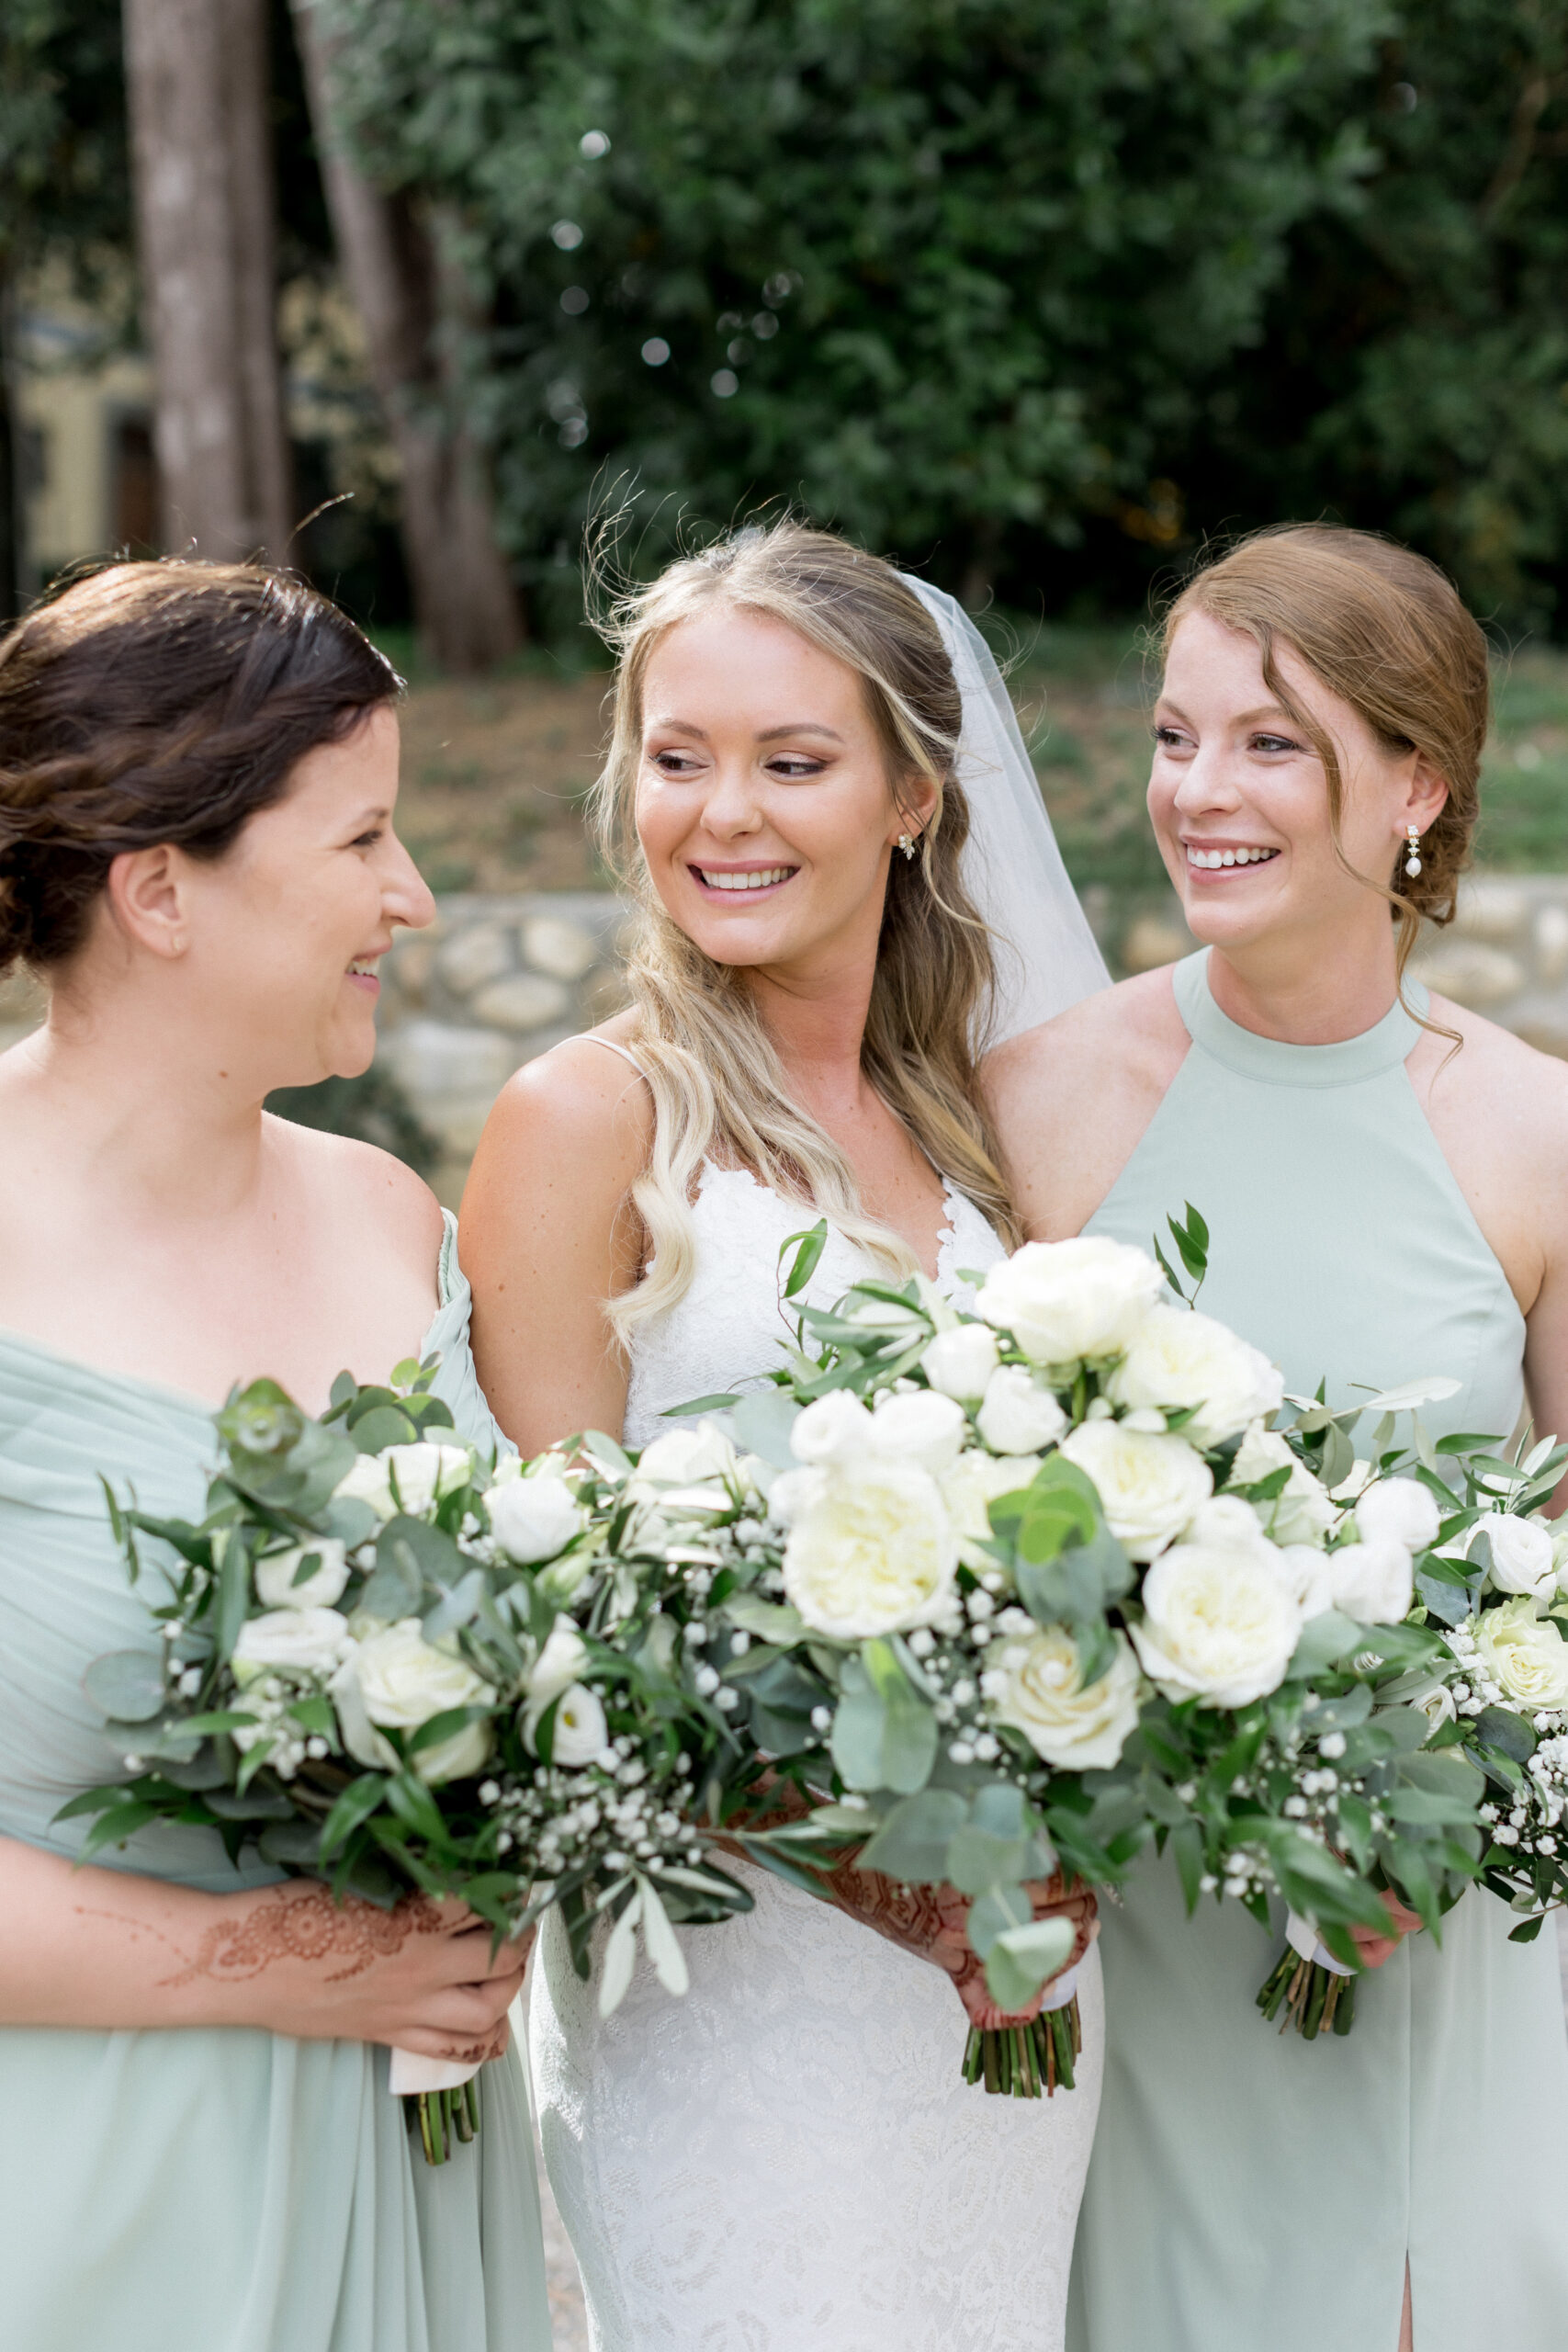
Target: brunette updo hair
(1384, 630)
(163, 702)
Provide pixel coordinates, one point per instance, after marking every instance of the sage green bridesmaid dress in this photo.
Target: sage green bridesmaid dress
(1249, 2191)
(209, 2189)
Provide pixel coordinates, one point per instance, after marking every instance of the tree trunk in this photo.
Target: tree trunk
(197, 75)
(465, 603)
(11, 586)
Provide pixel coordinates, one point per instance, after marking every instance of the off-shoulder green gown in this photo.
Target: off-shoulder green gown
(207, 2189)
(1249, 2191)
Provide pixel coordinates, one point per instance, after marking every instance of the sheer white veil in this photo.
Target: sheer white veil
(1045, 952)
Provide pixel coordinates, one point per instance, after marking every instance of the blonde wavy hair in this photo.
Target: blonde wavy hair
(718, 1086)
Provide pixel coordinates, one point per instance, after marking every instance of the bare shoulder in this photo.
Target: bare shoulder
(580, 1099)
(360, 1186)
(1522, 1092)
(1131, 1034)
(1071, 1099)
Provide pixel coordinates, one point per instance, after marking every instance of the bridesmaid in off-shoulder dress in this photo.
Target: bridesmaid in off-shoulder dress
(200, 2153)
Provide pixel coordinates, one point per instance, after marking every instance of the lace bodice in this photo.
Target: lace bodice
(786, 2159)
(729, 1324)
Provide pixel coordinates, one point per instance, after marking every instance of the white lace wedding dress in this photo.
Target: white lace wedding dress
(786, 2159)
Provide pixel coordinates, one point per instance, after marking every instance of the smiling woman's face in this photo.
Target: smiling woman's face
(1239, 798)
(763, 804)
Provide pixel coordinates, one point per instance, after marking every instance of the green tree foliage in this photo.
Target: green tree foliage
(1413, 376)
(957, 274)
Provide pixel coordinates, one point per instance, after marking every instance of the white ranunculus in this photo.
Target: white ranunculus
(1308, 1572)
(1218, 1622)
(1304, 1513)
(872, 1552)
(308, 1642)
(533, 1519)
(971, 1487)
(1016, 1415)
(919, 1426)
(420, 1475)
(1149, 1485)
(688, 1457)
(405, 1680)
(837, 1427)
(1066, 1302)
(959, 1363)
(581, 1730)
(1078, 1728)
(1523, 1555)
(1372, 1581)
(1525, 1654)
(1399, 1509)
(275, 1573)
(1437, 1703)
(561, 1662)
(1175, 1359)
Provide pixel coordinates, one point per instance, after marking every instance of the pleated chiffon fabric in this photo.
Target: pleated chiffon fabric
(1248, 2189)
(209, 2189)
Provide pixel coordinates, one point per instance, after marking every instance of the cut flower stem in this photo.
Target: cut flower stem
(443, 2118)
(1314, 1999)
(1022, 2061)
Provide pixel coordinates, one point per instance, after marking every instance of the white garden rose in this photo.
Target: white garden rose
(1078, 1728)
(871, 1552)
(1016, 1415)
(276, 1571)
(304, 1642)
(688, 1457)
(971, 1487)
(1309, 1574)
(533, 1519)
(837, 1427)
(419, 1474)
(1400, 1510)
(1218, 1622)
(1066, 1301)
(959, 1363)
(1175, 1359)
(1149, 1485)
(1523, 1554)
(1372, 1581)
(1304, 1513)
(580, 1732)
(919, 1426)
(1526, 1655)
(404, 1680)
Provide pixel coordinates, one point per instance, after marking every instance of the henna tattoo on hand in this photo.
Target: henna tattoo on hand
(298, 1921)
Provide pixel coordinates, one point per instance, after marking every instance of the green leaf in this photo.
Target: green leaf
(354, 1807)
(384, 1425)
(763, 1423)
(808, 1247)
(769, 1621)
(995, 1914)
(1021, 1960)
(126, 1684)
(884, 1732)
(720, 1404)
(912, 1843)
(1325, 1640)
(1500, 1727)
(294, 1844)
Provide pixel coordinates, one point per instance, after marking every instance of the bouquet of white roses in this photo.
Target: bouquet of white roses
(1037, 1585)
(389, 1665)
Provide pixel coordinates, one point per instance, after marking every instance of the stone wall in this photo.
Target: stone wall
(492, 982)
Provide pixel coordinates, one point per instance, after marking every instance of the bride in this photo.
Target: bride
(787, 2157)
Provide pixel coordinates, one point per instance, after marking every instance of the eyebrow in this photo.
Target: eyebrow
(769, 735)
(1247, 718)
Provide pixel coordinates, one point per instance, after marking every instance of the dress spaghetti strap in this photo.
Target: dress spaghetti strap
(590, 1037)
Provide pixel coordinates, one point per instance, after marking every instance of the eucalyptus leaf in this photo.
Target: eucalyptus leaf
(383, 1426)
(295, 1844)
(912, 1843)
(1325, 1640)
(761, 1423)
(126, 1684)
(1021, 1960)
(996, 1913)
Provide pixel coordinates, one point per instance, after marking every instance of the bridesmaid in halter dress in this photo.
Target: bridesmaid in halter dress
(786, 2158)
(197, 769)
(1383, 1175)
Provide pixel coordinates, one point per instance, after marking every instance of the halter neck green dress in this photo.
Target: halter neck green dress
(1249, 2191)
(209, 2189)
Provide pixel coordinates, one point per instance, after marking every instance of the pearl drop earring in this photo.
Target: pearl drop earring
(905, 844)
(1412, 851)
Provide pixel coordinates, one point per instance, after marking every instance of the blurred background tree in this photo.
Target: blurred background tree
(1037, 294)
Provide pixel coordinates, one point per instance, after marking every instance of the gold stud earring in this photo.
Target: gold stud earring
(905, 844)
(1412, 851)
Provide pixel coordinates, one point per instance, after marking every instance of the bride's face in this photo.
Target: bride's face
(1239, 798)
(763, 804)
